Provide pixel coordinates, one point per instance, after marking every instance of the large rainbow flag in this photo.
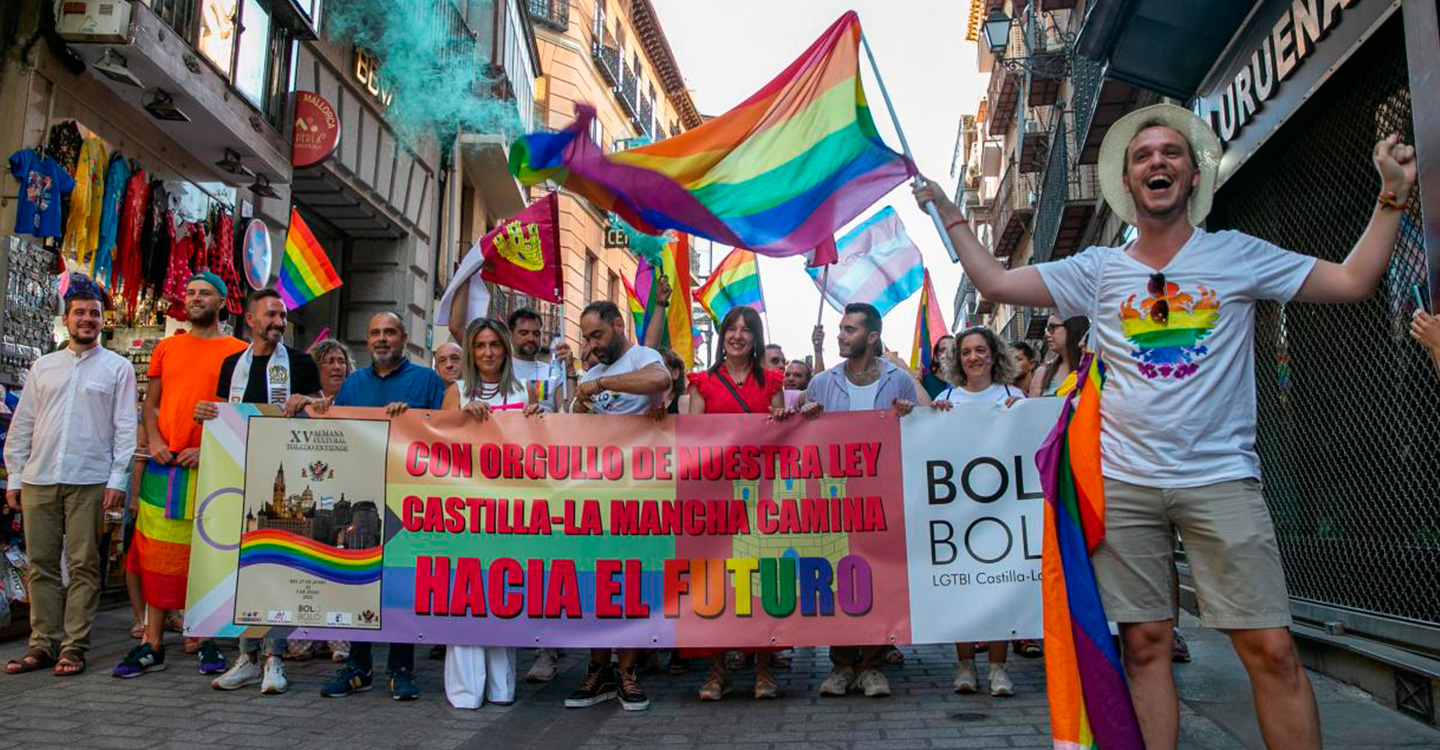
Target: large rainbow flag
(733, 283)
(779, 174)
(306, 272)
(929, 327)
(643, 294)
(1090, 706)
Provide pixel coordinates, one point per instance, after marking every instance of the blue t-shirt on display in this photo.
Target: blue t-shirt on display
(410, 383)
(42, 184)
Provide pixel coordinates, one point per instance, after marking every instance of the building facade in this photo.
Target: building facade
(613, 55)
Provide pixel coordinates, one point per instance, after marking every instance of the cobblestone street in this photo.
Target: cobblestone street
(176, 709)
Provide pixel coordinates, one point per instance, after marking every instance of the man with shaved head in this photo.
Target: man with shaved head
(449, 362)
(397, 384)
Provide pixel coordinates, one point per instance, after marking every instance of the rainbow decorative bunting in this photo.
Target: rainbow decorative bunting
(733, 283)
(275, 547)
(306, 272)
(1090, 704)
(779, 174)
(929, 326)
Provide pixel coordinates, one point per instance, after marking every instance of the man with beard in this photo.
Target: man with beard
(267, 372)
(391, 381)
(540, 378)
(1173, 318)
(626, 379)
(69, 450)
(863, 381)
(183, 371)
(449, 362)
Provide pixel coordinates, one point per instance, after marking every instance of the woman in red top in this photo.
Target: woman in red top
(738, 384)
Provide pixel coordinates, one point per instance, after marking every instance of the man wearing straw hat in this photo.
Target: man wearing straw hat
(1173, 318)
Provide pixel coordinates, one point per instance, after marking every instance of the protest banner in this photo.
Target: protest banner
(975, 512)
(577, 530)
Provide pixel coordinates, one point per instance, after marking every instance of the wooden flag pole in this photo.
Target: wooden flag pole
(905, 146)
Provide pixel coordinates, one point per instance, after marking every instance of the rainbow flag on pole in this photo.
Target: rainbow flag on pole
(779, 174)
(306, 272)
(1090, 704)
(733, 283)
(929, 326)
(675, 265)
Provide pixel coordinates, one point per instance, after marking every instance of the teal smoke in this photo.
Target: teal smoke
(436, 72)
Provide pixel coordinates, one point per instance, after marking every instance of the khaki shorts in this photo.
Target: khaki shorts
(1229, 543)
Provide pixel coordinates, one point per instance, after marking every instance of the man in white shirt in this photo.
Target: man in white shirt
(1173, 317)
(69, 450)
(627, 379)
(540, 378)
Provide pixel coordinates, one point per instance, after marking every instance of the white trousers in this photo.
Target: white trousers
(474, 674)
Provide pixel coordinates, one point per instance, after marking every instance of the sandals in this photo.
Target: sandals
(1029, 649)
(71, 663)
(35, 659)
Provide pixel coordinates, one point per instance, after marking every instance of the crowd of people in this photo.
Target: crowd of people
(75, 435)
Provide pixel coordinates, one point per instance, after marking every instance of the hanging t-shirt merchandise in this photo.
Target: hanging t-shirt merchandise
(1179, 402)
(609, 402)
(43, 182)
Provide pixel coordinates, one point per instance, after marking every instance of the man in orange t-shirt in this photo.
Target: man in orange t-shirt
(183, 371)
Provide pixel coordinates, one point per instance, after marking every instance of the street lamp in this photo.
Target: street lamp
(997, 30)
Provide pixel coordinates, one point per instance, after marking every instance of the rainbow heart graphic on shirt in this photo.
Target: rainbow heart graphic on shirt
(1168, 345)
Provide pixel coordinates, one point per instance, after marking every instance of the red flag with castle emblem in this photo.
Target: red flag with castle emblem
(523, 252)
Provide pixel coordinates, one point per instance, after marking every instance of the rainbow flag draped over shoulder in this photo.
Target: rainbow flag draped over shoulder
(1090, 706)
(733, 283)
(929, 327)
(779, 174)
(306, 272)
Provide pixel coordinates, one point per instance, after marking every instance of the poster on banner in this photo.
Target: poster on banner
(573, 530)
(310, 544)
(975, 515)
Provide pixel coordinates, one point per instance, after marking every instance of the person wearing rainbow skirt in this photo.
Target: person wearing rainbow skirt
(183, 372)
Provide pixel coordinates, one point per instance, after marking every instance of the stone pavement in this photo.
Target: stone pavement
(176, 709)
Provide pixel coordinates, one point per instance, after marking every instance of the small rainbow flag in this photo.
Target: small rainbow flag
(538, 391)
(733, 283)
(1089, 700)
(929, 327)
(306, 272)
(679, 327)
(349, 566)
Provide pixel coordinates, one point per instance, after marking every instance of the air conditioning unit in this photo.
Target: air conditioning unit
(94, 21)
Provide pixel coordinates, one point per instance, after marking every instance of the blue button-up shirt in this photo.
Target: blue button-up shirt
(417, 386)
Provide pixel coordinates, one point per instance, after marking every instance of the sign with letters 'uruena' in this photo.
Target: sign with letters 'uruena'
(569, 530)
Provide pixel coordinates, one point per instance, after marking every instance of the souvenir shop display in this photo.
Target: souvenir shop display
(31, 304)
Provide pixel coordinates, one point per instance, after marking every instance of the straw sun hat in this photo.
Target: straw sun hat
(1203, 143)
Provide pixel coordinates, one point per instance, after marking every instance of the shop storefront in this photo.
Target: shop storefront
(1349, 424)
(144, 143)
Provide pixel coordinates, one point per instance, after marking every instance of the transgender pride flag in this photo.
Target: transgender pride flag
(877, 264)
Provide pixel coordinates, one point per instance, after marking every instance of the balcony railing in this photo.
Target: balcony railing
(626, 92)
(1054, 189)
(1068, 197)
(1014, 205)
(180, 16)
(645, 116)
(552, 14)
(1087, 75)
(607, 61)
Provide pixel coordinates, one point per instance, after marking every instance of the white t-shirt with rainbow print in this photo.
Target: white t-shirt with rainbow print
(1178, 408)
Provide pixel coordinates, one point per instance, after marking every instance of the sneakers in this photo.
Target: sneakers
(1000, 684)
(274, 682)
(599, 685)
(717, 683)
(632, 698)
(402, 685)
(874, 684)
(212, 661)
(140, 660)
(967, 677)
(765, 685)
(245, 672)
(546, 666)
(346, 681)
(838, 682)
(1180, 651)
